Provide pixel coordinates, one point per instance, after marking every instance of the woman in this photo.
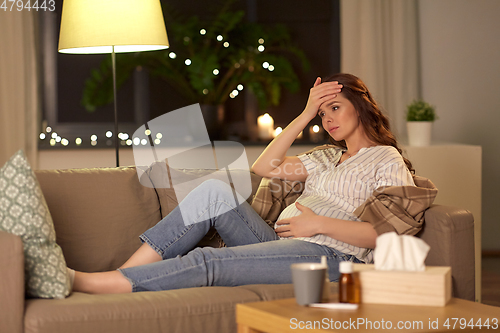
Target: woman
(320, 223)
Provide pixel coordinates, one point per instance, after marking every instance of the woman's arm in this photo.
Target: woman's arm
(273, 162)
(308, 224)
(357, 233)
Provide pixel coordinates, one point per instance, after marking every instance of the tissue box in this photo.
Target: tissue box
(431, 287)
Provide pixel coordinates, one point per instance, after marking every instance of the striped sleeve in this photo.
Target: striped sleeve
(320, 160)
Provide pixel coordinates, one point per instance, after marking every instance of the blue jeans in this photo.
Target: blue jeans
(254, 253)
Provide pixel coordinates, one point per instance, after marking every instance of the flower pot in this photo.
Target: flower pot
(419, 133)
(214, 120)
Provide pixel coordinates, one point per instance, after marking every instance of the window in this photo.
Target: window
(314, 25)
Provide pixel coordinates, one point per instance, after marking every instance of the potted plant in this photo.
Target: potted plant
(419, 118)
(210, 61)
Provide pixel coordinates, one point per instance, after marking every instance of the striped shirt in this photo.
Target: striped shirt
(337, 190)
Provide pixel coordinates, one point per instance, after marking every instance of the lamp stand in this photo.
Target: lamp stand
(129, 26)
(113, 61)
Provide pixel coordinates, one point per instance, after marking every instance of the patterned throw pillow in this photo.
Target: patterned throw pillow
(24, 212)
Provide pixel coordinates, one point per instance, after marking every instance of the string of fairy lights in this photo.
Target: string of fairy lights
(55, 139)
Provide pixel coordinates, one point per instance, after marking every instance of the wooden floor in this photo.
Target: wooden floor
(491, 280)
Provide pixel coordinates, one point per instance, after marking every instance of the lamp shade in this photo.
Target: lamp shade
(95, 26)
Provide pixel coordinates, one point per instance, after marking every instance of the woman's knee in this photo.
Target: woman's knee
(215, 187)
(208, 200)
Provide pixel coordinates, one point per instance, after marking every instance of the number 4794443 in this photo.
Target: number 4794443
(462, 323)
(20, 5)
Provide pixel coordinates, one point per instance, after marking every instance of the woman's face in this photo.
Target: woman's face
(340, 118)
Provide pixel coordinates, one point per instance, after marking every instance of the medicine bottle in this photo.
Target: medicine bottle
(349, 287)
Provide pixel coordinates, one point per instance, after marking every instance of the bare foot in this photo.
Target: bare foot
(112, 282)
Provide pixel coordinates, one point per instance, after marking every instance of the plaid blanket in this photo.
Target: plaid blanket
(398, 208)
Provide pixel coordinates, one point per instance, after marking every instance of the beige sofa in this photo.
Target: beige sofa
(98, 215)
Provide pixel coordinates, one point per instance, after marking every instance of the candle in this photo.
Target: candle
(277, 131)
(266, 126)
(315, 133)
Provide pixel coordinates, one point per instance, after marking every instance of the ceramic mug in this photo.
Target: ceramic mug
(308, 281)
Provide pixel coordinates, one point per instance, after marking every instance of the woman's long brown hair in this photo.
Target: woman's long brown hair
(374, 122)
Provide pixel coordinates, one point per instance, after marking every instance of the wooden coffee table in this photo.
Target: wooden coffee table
(286, 315)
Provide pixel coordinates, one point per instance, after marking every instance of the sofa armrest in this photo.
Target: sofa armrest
(449, 231)
(11, 283)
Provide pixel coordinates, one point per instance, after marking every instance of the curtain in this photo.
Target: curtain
(19, 97)
(380, 45)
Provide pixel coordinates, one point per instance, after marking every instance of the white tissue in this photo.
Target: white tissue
(395, 252)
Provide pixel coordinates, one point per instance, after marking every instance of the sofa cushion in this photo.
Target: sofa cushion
(98, 214)
(269, 292)
(208, 309)
(24, 212)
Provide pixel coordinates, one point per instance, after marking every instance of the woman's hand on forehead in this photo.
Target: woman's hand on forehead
(319, 94)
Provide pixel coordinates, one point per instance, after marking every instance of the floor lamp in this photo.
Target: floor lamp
(112, 26)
